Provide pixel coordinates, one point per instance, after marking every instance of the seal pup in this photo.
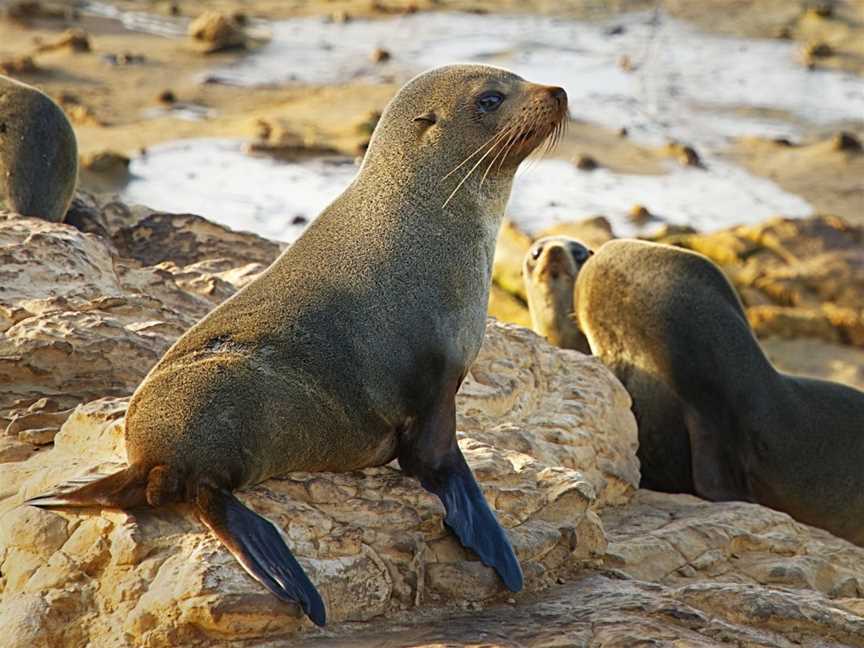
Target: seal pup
(38, 153)
(715, 417)
(348, 351)
(549, 272)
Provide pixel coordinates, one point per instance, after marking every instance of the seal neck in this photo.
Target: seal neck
(434, 197)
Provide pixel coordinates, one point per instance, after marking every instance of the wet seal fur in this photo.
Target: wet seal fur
(715, 417)
(348, 351)
(38, 153)
(549, 271)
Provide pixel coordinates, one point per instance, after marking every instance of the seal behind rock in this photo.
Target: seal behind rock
(38, 153)
(715, 417)
(349, 350)
(549, 272)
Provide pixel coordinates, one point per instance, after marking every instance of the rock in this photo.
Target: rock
(76, 39)
(679, 571)
(24, 11)
(214, 31)
(530, 419)
(639, 214)
(586, 163)
(78, 112)
(37, 427)
(820, 9)
(845, 141)
(379, 55)
(279, 138)
(19, 66)
(548, 432)
(186, 239)
(79, 321)
(817, 50)
(167, 97)
(106, 162)
(684, 154)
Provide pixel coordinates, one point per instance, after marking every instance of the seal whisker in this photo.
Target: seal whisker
(510, 144)
(501, 150)
(468, 175)
(495, 136)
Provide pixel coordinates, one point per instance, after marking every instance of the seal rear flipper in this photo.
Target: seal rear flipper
(260, 548)
(428, 451)
(123, 489)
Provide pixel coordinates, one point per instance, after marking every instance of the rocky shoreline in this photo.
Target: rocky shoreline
(548, 432)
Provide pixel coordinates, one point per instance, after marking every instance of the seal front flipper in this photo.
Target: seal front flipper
(428, 451)
(260, 548)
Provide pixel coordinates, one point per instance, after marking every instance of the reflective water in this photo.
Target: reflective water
(216, 179)
(677, 83)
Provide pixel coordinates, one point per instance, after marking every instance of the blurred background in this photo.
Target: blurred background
(688, 120)
(252, 114)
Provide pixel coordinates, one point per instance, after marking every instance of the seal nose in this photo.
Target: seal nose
(556, 261)
(558, 94)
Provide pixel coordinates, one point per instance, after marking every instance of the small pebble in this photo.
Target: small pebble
(639, 214)
(379, 55)
(845, 141)
(167, 97)
(586, 163)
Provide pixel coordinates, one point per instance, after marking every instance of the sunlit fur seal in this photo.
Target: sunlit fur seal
(715, 417)
(348, 351)
(549, 272)
(38, 153)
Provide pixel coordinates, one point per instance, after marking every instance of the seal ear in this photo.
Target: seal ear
(426, 120)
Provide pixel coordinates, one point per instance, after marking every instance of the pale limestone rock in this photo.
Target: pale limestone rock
(83, 316)
(548, 432)
(373, 541)
(679, 572)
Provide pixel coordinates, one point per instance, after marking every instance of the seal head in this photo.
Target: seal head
(549, 271)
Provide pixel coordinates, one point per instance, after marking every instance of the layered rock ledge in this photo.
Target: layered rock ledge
(549, 433)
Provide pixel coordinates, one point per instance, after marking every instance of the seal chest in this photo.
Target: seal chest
(349, 350)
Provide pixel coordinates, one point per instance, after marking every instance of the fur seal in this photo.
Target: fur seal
(715, 417)
(38, 153)
(348, 351)
(549, 272)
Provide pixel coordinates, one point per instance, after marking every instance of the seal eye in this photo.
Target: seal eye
(489, 101)
(580, 252)
(535, 253)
